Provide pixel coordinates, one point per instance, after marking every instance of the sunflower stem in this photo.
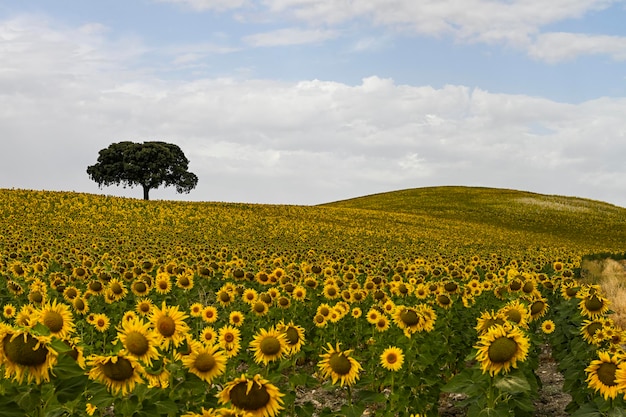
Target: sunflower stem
(349, 396)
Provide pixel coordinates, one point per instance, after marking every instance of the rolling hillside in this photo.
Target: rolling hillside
(569, 218)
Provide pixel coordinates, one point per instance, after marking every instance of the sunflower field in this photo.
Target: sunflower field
(122, 307)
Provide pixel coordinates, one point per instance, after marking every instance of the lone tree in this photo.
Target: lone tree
(149, 164)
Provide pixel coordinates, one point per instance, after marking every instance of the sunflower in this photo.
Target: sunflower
(256, 396)
(195, 309)
(140, 288)
(372, 315)
(569, 290)
(500, 348)
(339, 365)
(294, 336)
(80, 305)
(547, 326)
(70, 293)
(229, 338)
(118, 372)
(594, 305)
(590, 327)
(538, 308)
(382, 324)
(269, 345)
(169, 324)
(57, 318)
(23, 354)
(249, 296)
(115, 290)
(209, 314)
(185, 281)
(392, 358)
(516, 312)
(101, 322)
(299, 293)
(139, 340)
(8, 311)
(331, 291)
(208, 336)
(410, 319)
(320, 320)
(601, 375)
(163, 283)
(205, 361)
(225, 297)
(356, 312)
(236, 318)
(144, 306)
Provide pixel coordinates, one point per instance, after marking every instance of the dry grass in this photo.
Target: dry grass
(611, 275)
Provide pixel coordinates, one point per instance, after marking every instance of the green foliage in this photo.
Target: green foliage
(148, 164)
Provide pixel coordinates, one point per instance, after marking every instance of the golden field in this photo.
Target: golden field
(117, 306)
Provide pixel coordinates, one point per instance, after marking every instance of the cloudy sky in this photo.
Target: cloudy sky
(311, 101)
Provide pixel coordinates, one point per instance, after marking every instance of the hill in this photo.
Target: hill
(571, 219)
(416, 223)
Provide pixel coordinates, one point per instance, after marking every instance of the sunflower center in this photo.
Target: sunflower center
(79, 304)
(450, 286)
(116, 288)
(391, 358)
(36, 297)
(502, 350)
(528, 287)
(204, 362)
(253, 398)
(140, 287)
(571, 291)
(137, 343)
(514, 315)
(292, 336)
(118, 371)
(224, 297)
(270, 345)
(409, 317)
(339, 363)
(229, 338)
(259, 307)
(443, 299)
(53, 321)
(593, 328)
(606, 373)
(537, 307)
(515, 285)
(184, 281)
(166, 326)
(594, 303)
(23, 352)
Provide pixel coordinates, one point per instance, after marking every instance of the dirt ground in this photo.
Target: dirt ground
(551, 402)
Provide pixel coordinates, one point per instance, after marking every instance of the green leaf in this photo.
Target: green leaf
(587, 410)
(166, 407)
(351, 411)
(512, 384)
(305, 410)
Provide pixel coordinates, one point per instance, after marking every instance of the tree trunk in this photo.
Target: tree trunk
(146, 189)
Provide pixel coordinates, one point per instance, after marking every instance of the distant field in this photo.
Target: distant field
(116, 306)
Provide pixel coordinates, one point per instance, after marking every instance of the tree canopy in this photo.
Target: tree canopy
(148, 164)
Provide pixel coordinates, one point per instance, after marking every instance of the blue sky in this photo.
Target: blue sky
(310, 101)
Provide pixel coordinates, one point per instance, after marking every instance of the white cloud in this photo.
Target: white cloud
(562, 46)
(290, 36)
(202, 5)
(289, 142)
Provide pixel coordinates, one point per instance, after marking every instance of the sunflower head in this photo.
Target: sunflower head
(500, 348)
(339, 365)
(256, 396)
